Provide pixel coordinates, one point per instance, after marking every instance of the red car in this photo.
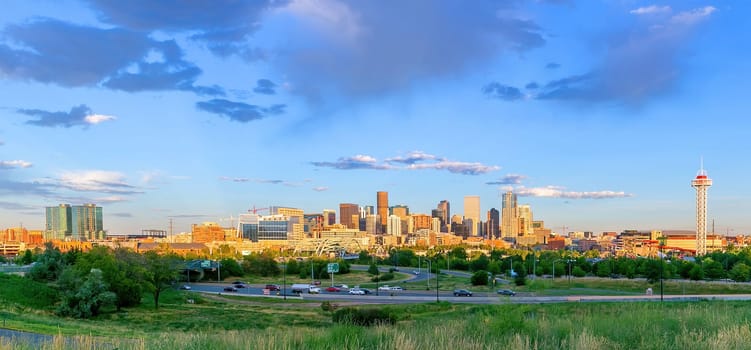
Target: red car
(333, 289)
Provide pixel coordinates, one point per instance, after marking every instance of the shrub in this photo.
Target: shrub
(363, 317)
(479, 278)
(383, 277)
(328, 306)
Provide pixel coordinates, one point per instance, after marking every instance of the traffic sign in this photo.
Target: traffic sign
(332, 268)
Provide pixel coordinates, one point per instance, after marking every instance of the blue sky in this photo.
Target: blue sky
(595, 112)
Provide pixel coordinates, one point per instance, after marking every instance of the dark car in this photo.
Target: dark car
(367, 291)
(238, 282)
(506, 292)
(272, 287)
(462, 293)
(240, 285)
(230, 289)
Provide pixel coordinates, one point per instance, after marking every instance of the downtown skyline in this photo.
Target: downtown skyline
(595, 113)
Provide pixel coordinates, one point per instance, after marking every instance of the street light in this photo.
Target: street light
(284, 283)
(661, 246)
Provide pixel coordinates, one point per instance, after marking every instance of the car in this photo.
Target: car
(396, 289)
(314, 290)
(333, 289)
(366, 290)
(416, 272)
(240, 286)
(356, 292)
(506, 292)
(230, 289)
(386, 288)
(462, 293)
(272, 287)
(238, 282)
(342, 286)
(317, 283)
(185, 287)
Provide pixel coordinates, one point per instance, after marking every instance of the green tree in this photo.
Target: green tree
(373, 269)
(161, 271)
(458, 253)
(292, 266)
(122, 270)
(578, 272)
(87, 299)
(740, 273)
(49, 266)
(27, 257)
(260, 265)
(479, 263)
(479, 278)
(713, 270)
(230, 267)
(696, 273)
(602, 268)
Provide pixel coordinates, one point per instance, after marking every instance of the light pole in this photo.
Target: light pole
(284, 281)
(662, 245)
(428, 283)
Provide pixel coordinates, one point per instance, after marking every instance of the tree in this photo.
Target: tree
(49, 266)
(27, 257)
(602, 268)
(161, 271)
(696, 273)
(713, 270)
(260, 265)
(479, 278)
(479, 263)
(230, 267)
(578, 272)
(122, 270)
(740, 273)
(373, 269)
(88, 299)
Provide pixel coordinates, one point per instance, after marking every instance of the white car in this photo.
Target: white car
(396, 289)
(386, 287)
(314, 290)
(356, 292)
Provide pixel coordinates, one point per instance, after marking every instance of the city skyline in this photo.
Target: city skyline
(594, 113)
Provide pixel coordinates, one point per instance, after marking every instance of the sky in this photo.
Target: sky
(597, 113)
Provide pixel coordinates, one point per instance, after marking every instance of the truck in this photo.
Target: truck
(300, 287)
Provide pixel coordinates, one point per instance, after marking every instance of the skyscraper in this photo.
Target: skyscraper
(346, 211)
(329, 217)
(701, 183)
(382, 205)
(394, 226)
(79, 223)
(446, 209)
(472, 213)
(524, 212)
(493, 224)
(509, 216)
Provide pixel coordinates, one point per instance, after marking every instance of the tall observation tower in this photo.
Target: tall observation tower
(701, 183)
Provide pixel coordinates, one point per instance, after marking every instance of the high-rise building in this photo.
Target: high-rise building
(256, 228)
(394, 227)
(421, 221)
(444, 207)
(402, 211)
(296, 220)
(493, 224)
(525, 220)
(58, 222)
(435, 224)
(329, 217)
(371, 223)
(78, 223)
(509, 216)
(346, 212)
(472, 213)
(382, 204)
(701, 183)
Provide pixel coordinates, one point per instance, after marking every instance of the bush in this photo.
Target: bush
(383, 277)
(328, 306)
(479, 278)
(578, 272)
(363, 317)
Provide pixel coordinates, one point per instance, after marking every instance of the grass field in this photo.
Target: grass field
(224, 323)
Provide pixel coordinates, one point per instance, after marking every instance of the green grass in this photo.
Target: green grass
(702, 325)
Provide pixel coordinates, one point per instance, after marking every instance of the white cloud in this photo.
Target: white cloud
(96, 181)
(97, 118)
(110, 199)
(334, 18)
(320, 188)
(457, 167)
(693, 16)
(651, 10)
(9, 164)
(560, 192)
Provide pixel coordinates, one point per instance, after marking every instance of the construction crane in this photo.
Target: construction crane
(256, 210)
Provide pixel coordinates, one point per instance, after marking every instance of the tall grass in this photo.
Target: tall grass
(703, 325)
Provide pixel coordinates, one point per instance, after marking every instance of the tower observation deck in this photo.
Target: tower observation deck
(701, 183)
